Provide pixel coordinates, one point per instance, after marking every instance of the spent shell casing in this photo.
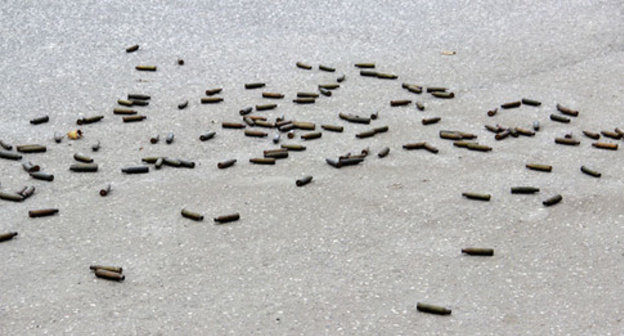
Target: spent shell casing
(553, 200)
(31, 148)
(272, 95)
(5, 145)
(432, 309)
(333, 162)
(207, 136)
(329, 86)
(82, 158)
(159, 163)
(263, 161)
(171, 162)
(524, 131)
(567, 141)
(514, 132)
(536, 125)
(9, 155)
(332, 128)
(303, 181)
(590, 171)
(40, 120)
(591, 135)
(211, 92)
(232, 125)
(139, 102)
(276, 150)
(304, 125)
(414, 89)
(429, 147)
(365, 65)
(531, 102)
(192, 215)
(288, 128)
(42, 212)
(42, 176)
(257, 117)
(463, 144)
(619, 131)
(135, 170)
(312, 135)
(124, 102)
(326, 68)
(325, 92)
(249, 86)
(96, 146)
(183, 105)
(350, 161)
(211, 100)
(254, 133)
(384, 152)
(246, 110)
(431, 89)
(138, 96)
(106, 190)
(155, 139)
(249, 121)
(146, 67)
(401, 102)
(84, 167)
(227, 218)
(150, 159)
(383, 75)
(115, 269)
(304, 66)
(381, 129)
(108, 275)
(293, 147)
(226, 164)
(304, 100)
(443, 94)
(341, 78)
(429, 121)
(493, 129)
(124, 111)
(612, 134)
(276, 138)
(567, 111)
(7, 236)
(420, 106)
(539, 167)
(186, 163)
(368, 73)
(262, 123)
(132, 48)
(9, 196)
(265, 107)
(307, 95)
(467, 136)
(478, 251)
(30, 167)
(366, 134)
(492, 113)
(414, 145)
(478, 147)
(512, 104)
(133, 118)
(169, 138)
(276, 155)
(524, 190)
(29, 191)
(502, 135)
(354, 119)
(605, 145)
(477, 196)
(558, 118)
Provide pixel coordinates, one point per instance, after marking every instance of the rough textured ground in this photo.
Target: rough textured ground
(354, 251)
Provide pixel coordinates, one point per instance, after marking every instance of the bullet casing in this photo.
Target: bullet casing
(553, 200)
(135, 170)
(42, 212)
(192, 215)
(106, 190)
(7, 236)
(383, 152)
(478, 251)
(40, 120)
(226, 164)
(84, 167)
(207, 136)
(539, 167)
(477, 196)
(303, 181)
(82, 158)
(108, 275)
(432, 309)
(590, 171)
(134, 118)
(265, 107)
(42, 176)
(510, 105)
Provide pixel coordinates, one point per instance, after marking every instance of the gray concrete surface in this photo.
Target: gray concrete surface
(353, 252)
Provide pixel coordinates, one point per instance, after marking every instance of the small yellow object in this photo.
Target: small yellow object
(448, 52)
(75, 134)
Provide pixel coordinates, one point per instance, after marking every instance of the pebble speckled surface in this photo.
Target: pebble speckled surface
(355, 250)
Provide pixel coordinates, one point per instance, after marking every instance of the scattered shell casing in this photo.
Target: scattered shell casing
(478, 251)
(192, 215)
(293, 147)
(276, 150)
(304, 100)
(183, 105)
(254, 133)
(366, 134)
(132, 48)
(493, 112)
(139, 102)
(226, 164)
(444, 95)
(415, 145)
(138, 96)
(619, 131)
(82, 158)
(567, 141)
(420, 106)
(171, 162)
(381, 129)
(429, 121)
(211, 100)
(6, 145)
(155, 139)
(524, 131)
(536, 125)
(463, 144)
(248, 121)
(84, 167)
(307, 95)
(341, 78)
(303, 66)
(368, 73)
(477, 196)
(159, 163)
(134, 118)
(40, 120)
(605, 145)
(612, 134)
(124, 102)
(272, 95)
(590, 171)
(186, 163)
(58, 137)
(9, 196)
(524, 190)
(146, 67)
(354, 119)
(429, 147)
(42, 212)
(7, 236)
(276, 138)
(432, 309)
(329, 86)
(276, 155)
(30, 167)
(432, 89)
(227, 218)
(382, 75)
(312, 135)
(365, 65)
(502, 135)
(96, 147)
(539, 167)
(150, 159)
(115, 269)
(325, 92)
(384, 152)
(558, 118)
(34, 148)
(232, 125)
(493, 129)
(326, 68)
(257, 117)
(401, 102)
(249, 86)
(478, 147)
(29, 191)
(567, 111)
(531, 102)
(265, 107)
(349, 161)
(42, 176)
(333, 162)
(553, 200)
(135, 170)
(303, 181)
(304, 125)
(514, 132)
(106, 190)
(211, 92)
(375, 115)
(510, 105)
(169, 138)
(9, 155)
(417, 89)
(332, 128)
(124, 111)
(262, 123)
(591, 135)
(266, 161)
(108, 275)
(207, 136)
